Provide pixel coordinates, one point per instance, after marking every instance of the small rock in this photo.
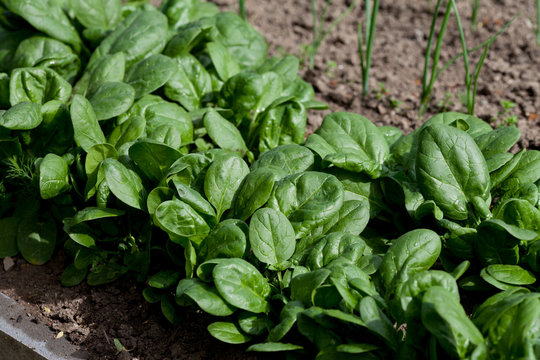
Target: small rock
(8, 263)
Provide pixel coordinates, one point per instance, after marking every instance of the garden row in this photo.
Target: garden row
(164, 145)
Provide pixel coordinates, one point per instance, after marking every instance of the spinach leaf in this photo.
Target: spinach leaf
(38, 85)
(292, 158)
(307, 199)
(445, 318)
(224, 133)
(206, 297)
(87, 131)
(111, 99)
(103, 14)
(22, 116)
(150, 74)
(414, 251)
(181, 222)
(271, 236)
(124, 183)
(222, 180)
(242, 285)
(254, 191)
(47, 16)
(451, 170)
(53, 176)
(46, 52)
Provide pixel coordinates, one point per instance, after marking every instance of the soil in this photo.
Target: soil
(93, 317)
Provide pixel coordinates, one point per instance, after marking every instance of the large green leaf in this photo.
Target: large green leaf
(53, 176)
(271, 236)
(308, 199)
(124, 183)
(242, 285)
(222, 180)
(451, 170)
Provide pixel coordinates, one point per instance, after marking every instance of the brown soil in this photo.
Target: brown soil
(93, 317)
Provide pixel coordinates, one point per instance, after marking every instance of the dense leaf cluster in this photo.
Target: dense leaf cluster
(164, 145)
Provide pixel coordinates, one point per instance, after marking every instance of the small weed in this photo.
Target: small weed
(381, 91)
(395, 103)
(119, 347)
(330, 67)
(504, 115)
(446, 103)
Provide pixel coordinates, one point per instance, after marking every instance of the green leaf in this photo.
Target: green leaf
(303, 286)
(168, 123)
(511, 274)
(111, 99)
(308, 199)
(242, 285)
(168, 309)
(224, 133)
(222, 180)
(151, 295)
(358, 143)
(53, 176)
(128, 131)
(150, 74)
(254, 191)
(105, 273)
(410, 293)
(103, 14)
(195, 200)
(497, 141)
(23, 116)
(153, 158)
(190, 85)
(228, 332)
(271, 236)
(451, 170)
(287, 318)
(8, 236)
(206, 297)
(254, 324)
(273, 347)
(47, 52)
(87, 131)
(140, 35)
(227, 240)
(36, 240)
(73, 276)
(414, 251)
(445, 318)
(47, 16)
(223, 61)
(124, 183)
(38, 85)
(291, 158)
(164, 279)
(181, 222)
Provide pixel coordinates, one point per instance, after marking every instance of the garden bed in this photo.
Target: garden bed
(92, 317)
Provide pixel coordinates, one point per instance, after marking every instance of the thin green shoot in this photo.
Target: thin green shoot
(537, 30)
(429, 77)
(474, 17)
(319, 33)
(471, 79)
(242, 9)
(365, 54)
